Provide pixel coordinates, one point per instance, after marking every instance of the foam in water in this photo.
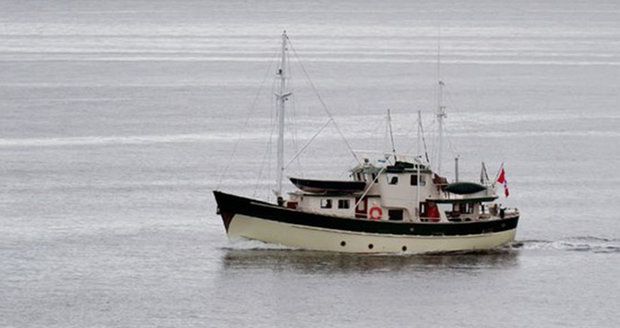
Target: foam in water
(248, 244)
(578, 244)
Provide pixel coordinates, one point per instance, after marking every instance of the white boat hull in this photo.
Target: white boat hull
(321, 239)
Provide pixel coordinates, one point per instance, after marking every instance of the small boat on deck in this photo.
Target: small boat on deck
(328, 186)
(394, 204)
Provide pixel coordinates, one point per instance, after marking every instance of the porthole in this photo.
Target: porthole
(404, 248)
(343, 243)
(370, 246)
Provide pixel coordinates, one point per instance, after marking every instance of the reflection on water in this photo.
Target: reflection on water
(323, 262)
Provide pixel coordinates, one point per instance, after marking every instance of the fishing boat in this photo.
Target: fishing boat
(396, 203)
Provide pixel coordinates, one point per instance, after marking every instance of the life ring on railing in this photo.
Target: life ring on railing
(375, 213)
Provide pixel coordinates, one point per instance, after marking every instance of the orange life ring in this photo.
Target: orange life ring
(375, 213)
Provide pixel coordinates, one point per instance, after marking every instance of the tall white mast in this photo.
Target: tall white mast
(389, 119)
(441, 109)
(281, 98)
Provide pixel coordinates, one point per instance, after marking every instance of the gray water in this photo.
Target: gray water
(118, 119)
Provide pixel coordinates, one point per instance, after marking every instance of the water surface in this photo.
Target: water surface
(118, 119)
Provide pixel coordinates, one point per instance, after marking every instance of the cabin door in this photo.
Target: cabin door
(361, 208)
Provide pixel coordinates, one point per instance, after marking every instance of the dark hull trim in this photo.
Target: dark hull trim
(230, 205)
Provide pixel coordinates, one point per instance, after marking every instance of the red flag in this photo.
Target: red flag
(502, 179)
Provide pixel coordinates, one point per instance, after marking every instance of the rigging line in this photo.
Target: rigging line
(269, 159)
(308, 143)
(293, 120)
(460, 117)
(389, 117)
(370, 186)
(422, 134)
(424, 142)
(245, 124)
(408, 136)
(451, 145)
(267, 155)
(274, 117)
(346, 173)
(294, 123)
(325, 108)
(374, 134)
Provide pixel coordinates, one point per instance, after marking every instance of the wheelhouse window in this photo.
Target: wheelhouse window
(326, 203)
(392, 179)
(343, 203)
(414, 180)
(361, 206)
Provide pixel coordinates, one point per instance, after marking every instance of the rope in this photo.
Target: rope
(293, 120)
(422, 135)
(247, 119)
(370, 186)
(267, 155)
(325, 108)
(308, 143)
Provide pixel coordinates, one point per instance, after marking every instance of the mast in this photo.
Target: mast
(281, 98)
(389, 118)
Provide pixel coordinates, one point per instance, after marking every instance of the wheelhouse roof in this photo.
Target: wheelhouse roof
(462, 200)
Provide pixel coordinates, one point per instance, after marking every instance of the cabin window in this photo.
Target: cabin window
(395, 215)
(414, 180)
(392, 179)
(343, 203)
(423, 209)
(326, 203)
(464, 208)
(374, 176)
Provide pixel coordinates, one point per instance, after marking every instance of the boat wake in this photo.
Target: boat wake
(247, 244)
(576, 244)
